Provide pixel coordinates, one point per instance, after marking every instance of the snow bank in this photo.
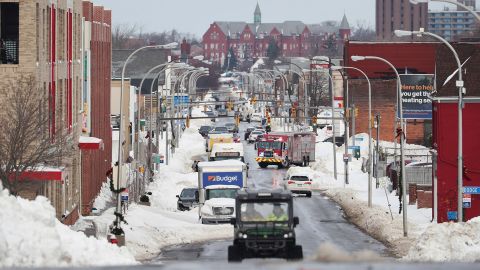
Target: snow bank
(150, 229)
(31, 236)
(329, 252)
(442, 242)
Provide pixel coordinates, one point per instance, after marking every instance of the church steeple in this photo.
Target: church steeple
(257, 16)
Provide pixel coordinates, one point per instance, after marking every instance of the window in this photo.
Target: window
(9, 33)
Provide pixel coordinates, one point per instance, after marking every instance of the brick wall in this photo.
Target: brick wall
(95, 163)
(383, 103)
(424, 199)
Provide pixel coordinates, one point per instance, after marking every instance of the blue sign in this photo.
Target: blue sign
(180, 100)
(416, 91)
(124, 198)
(471, 190)
(354, 147)
(223, 178)
(452, 215)
(467, 204)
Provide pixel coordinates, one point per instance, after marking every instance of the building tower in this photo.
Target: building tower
(399, 14)
(344, 30)
(257, 16)
(468, 3)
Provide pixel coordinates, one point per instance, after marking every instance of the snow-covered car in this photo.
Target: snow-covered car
(254, 134)
(257, 117)
(220, 129)
(299, 180)
(248, 131)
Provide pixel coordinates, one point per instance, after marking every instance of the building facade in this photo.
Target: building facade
(394, 15)
(42, 38)
(451, 24)
(95, 100)
(250, 41)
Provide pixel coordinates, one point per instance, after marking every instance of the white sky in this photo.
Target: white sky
(195, 16)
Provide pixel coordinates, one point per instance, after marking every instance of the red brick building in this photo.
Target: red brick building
(407, 57)
(293, 38)
(96, 159)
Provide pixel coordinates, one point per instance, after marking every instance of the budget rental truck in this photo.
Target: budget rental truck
(218, 184)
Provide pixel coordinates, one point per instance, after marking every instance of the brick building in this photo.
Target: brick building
(96, 128)
(42, 38)
(407, 57)
(294, 38)
(394, 15)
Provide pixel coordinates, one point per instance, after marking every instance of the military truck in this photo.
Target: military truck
(264, 226)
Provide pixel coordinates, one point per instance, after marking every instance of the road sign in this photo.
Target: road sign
(124, 196)
(355, 149)
(467, 201)
(347, 157)
(471, 190)
(452, 215)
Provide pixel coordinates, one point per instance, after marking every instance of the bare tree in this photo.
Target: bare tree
(363, 32)
(25, 139)
(122, 33)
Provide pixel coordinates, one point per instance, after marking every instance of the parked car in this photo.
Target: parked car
(187, 199)
(232, 127)
(248, 131)
(204, 130)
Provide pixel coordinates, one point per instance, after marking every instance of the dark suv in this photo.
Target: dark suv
(187, 199)
(264, 226)
(204, 130)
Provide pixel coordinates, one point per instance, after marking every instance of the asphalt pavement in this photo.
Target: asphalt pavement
(321, 221)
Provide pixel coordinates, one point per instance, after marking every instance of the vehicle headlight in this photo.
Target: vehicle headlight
(285, 235)
(245, 236)
(242, 235)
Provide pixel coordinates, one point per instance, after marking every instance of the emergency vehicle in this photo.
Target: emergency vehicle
(285, 148)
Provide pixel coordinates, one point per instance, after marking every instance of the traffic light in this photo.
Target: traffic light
(237, 119)
(269, 120)
(294, 112)
(253, 100)
(356, 112)
(314, 120)
(187, 121)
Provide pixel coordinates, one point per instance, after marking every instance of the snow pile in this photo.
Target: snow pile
(448, 242)
(104, 198)
(150, 229)
(31, 236)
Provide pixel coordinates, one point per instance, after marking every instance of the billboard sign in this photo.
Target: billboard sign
(416, 89)
(222, 178)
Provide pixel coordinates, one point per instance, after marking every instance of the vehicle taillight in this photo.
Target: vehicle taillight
(291, 182)
(113, 241)
(308, 183)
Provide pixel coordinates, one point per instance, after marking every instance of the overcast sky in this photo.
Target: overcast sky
(195, 16)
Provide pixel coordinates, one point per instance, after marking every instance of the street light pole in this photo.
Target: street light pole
(402, 135)
(369, 129)
(117, 229)
(461, 92)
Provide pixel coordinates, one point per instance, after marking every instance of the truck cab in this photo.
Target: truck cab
(272, 151)
(264, 226)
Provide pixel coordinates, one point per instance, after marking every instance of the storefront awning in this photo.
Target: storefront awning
(90, 143)
(44, 173)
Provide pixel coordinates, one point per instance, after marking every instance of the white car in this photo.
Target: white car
(299, 181)
(254, 134)
(257, 117)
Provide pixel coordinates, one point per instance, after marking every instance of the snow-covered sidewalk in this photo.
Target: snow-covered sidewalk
(152, 228)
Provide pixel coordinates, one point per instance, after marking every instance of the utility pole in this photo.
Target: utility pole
(377, 152)
(347, 132)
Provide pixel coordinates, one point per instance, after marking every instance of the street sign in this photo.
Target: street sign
(124, 196)
(347, 157)
(471, 190)
(452, 215)
(355, 150)
(467, 200)
(359, 139)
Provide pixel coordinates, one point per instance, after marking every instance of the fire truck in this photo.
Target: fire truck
(286, 148)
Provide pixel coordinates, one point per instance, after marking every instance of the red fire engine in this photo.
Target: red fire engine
(285, 148)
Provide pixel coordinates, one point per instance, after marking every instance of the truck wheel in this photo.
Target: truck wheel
(263, 165)
(296, 253)
(309, 194)
(234, 254)
(285, 163)
(204, 222)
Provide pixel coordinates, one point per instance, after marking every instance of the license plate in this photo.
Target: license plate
(299, 185)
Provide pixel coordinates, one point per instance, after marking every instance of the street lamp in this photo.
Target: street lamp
(369, 130)
(473, 12)
(461, 92)
(401, 133)
(117, 229)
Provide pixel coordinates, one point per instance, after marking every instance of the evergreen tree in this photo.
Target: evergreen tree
(273, 51)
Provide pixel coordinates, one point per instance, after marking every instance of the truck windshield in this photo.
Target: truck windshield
(221, 193)
(268, 145)
(264, 212)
